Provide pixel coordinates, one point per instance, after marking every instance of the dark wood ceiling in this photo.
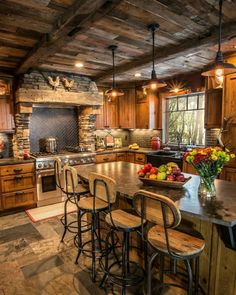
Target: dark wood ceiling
(55, 34)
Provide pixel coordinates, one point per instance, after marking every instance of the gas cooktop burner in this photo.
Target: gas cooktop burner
(45, 154)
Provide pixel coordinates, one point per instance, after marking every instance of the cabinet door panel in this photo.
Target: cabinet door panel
(229, 96)
(105, 158)
(111, 113)
(18, 199)
(130, 157)
(229, 174)
(142, 115)
(6, 115)
(213, 108)
(127, 109)
(17, 182)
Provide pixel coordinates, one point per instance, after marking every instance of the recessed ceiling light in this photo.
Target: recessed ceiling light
(137, 74)
(79, 65)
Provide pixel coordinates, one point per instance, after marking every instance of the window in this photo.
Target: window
(185, 119)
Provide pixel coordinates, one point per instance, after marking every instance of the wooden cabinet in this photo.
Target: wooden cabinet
(188, 168)
(105, 158)
(139, 158)
(6, 106)
(230, 96)
(117, 113)
(111, 113)
(121, 157)
(127, 109)
(229, 174)
(17, 186)
(148, 111)
(130, 157)
(213, 108)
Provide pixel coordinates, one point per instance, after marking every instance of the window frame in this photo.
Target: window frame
(166, 104)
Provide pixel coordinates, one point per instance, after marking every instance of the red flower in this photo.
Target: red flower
(199, 158)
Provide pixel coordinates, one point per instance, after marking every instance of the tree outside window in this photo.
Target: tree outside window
(185, 119)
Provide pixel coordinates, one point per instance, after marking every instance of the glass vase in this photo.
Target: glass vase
(207, 187)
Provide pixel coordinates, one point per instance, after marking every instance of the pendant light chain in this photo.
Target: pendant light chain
(153, 49)
(113, 64)
(220, 24)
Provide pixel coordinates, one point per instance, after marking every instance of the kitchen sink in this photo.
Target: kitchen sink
(164, 153)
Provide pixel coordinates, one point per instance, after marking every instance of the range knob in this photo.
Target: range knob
(40, 165)
(50, 165)
(45, 165)
(71, 162)
(75, 162)
(83, 160)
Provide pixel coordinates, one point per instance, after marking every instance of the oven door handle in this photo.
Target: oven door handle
(46, 171)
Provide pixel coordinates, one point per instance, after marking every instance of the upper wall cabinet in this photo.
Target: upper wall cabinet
(118, 113)
(230, 96)
(6, 106)
(148, 110)
(127, 109)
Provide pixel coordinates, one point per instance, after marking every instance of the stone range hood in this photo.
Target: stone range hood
(34, 88)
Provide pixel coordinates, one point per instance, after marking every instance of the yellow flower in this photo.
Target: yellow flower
(227, 150)
(214, 157)
(232, 156)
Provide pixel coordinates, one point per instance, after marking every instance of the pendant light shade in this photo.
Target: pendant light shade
(219, 68)
(154, 84)
(113, 91)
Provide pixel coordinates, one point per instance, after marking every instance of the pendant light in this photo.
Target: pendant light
(113, 91)
(154, 84)
(220, 68)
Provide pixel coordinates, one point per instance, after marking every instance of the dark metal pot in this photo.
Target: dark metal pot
(48, 145)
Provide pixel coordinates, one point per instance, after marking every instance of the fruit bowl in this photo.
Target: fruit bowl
(166, 183)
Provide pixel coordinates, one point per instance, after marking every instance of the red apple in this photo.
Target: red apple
(170, 178)
(176, 171)
(180, 178)
(154, 170)
(147, 167)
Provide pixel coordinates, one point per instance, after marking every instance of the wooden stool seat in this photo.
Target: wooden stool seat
(80, 189)
(87, 204)
(180, 243)
(123, 220)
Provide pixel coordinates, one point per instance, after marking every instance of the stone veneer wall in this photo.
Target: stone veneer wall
(20, 140)
(87, 131)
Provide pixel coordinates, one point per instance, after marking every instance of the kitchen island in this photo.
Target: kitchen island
(215, 219)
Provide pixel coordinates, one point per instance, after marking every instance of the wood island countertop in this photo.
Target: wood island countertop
(219, 210)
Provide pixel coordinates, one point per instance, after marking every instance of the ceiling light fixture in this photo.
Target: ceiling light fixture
(154, 84)
(220, 68)
(79, 65)
(137, 75)
(113, 91)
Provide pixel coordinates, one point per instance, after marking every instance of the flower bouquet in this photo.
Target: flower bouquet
(208, 162)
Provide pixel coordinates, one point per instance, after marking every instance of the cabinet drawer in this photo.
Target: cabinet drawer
(140, 158)
(17, 182)
(105, 158)
(18, 199)
(16, 169)
(121, 156)
(130, 157)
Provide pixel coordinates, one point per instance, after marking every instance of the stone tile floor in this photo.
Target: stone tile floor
(33, 261)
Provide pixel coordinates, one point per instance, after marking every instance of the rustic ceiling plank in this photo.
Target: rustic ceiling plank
(59, 35)
(167, 53)
(161, 10)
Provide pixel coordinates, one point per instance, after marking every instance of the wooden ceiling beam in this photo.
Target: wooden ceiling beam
(83, 13)
(170, 52)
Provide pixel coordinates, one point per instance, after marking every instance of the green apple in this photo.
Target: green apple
(161, 175)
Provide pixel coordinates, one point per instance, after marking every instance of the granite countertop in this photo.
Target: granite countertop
(219, 210)
(125, 149)
(13, 161)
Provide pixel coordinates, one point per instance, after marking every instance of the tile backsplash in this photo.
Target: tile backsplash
(140, 136)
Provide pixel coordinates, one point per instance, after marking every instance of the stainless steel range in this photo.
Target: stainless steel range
(47, 191)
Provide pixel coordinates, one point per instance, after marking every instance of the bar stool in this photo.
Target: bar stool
(103, 195)
(71, 194)
(130, 274)
(166, 240)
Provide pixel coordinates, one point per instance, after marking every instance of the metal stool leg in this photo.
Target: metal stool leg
(196, 279)
(149, 278)
(190, 276)
(93, 229)
(65, 223)
(79, 237)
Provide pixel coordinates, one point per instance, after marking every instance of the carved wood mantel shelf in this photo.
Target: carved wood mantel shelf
(59, 96)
